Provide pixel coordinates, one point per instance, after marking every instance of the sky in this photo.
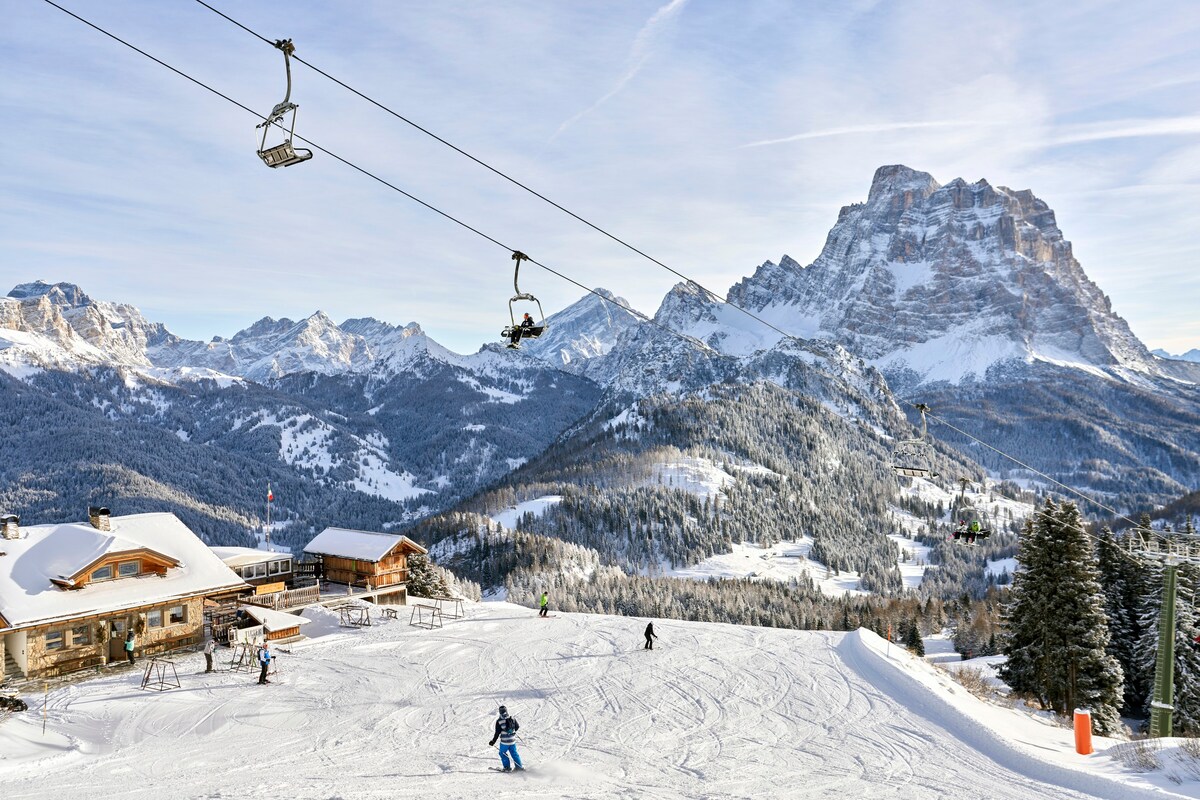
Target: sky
(712, 135)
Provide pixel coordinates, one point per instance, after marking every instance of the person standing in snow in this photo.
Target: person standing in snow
(264, 661)
(544, 602)
(650, 636)
(210, 647)
(506, 732)
(129, 646)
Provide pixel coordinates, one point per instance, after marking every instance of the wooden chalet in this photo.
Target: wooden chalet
(258, 567)
(70, 593)
(374, 561)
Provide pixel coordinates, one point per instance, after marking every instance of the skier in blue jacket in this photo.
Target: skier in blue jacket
(506, 732)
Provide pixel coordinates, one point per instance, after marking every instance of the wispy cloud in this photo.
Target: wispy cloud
(643, 46)
(882, 127)
(1127, 129)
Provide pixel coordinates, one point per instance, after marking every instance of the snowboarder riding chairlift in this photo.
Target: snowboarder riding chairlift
(506, 732)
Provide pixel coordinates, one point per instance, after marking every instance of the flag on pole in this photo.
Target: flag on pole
(270, 495)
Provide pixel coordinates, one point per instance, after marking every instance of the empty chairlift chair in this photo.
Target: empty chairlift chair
(284, 154)
(913, 458)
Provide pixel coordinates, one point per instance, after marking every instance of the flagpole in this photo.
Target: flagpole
(268, 530)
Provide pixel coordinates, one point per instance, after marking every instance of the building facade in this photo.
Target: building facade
(70, 594)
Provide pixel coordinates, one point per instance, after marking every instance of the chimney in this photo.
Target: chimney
(98, 516)
(10, 526)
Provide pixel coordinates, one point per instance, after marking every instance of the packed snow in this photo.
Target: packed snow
(714, 711)
(509, 517)
(781, 562)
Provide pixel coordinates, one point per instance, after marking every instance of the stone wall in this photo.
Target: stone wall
(148, 640)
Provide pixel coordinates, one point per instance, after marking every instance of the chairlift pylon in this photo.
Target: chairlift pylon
(913, 458)
(528, 327)
(283, 154)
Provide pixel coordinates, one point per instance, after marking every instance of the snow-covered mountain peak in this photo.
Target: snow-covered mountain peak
(61, 294)
(940, 282)
(584, 330)
(897, 180)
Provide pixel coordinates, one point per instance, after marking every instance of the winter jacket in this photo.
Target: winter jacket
(129, 645)
(545, 600)
(506, 730)
(264, 656)
(210, 647)
(650, 631)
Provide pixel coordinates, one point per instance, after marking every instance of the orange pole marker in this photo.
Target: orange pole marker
(1083, 731)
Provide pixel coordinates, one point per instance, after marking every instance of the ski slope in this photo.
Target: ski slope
(391, 711)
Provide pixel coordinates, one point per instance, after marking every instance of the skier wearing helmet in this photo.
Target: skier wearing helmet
(506, 732)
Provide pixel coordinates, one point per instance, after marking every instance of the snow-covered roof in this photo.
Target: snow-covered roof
(361, 545)
(55, 552)
(241, 556)
(273, 620)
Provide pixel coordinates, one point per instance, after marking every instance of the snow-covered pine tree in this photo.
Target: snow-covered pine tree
(1126, 583)
(1085, 674)
(1057, 632)
(1024, 636)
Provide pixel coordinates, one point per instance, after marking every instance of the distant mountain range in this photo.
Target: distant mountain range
(965, 296)
(1191, 355)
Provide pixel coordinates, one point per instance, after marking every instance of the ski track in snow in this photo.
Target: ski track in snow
(715, 711)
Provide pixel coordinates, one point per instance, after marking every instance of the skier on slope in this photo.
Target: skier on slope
(544, 602)
(210, 647)
(264, 661)
(506, 732)
(650, 636)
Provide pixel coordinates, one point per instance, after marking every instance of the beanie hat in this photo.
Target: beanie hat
(503, 711)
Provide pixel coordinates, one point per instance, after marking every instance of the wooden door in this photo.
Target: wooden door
(117, 628)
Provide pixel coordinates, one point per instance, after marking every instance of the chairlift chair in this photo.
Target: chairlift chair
(284, 154)
(913, 458)
(970, 523)
(515, 332)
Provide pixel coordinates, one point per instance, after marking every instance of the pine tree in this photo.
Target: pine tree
(1087, 675)
(1125, 585)
(1057, 635)
(1024, 638)
(912, 639)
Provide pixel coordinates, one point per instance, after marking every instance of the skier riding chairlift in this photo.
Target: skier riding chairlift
(528, 328)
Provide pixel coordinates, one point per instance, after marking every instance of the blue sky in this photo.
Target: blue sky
(712, 134)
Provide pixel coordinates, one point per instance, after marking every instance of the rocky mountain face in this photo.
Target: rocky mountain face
(941, 283)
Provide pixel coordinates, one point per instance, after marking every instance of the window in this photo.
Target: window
(54, 640)
(177, 615)
(81, 635)
(154, 618)
(127, 569)
(280, 567)
(105, 573)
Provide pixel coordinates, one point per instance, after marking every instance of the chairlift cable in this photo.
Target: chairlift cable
(373, 176)
(622, 242)
(511, 179)
(476, 231)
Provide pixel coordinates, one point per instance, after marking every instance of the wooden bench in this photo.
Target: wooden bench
(425, 616)
(456, 609)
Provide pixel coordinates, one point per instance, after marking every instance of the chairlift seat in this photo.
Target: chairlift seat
(284, 155)
(913, 471)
